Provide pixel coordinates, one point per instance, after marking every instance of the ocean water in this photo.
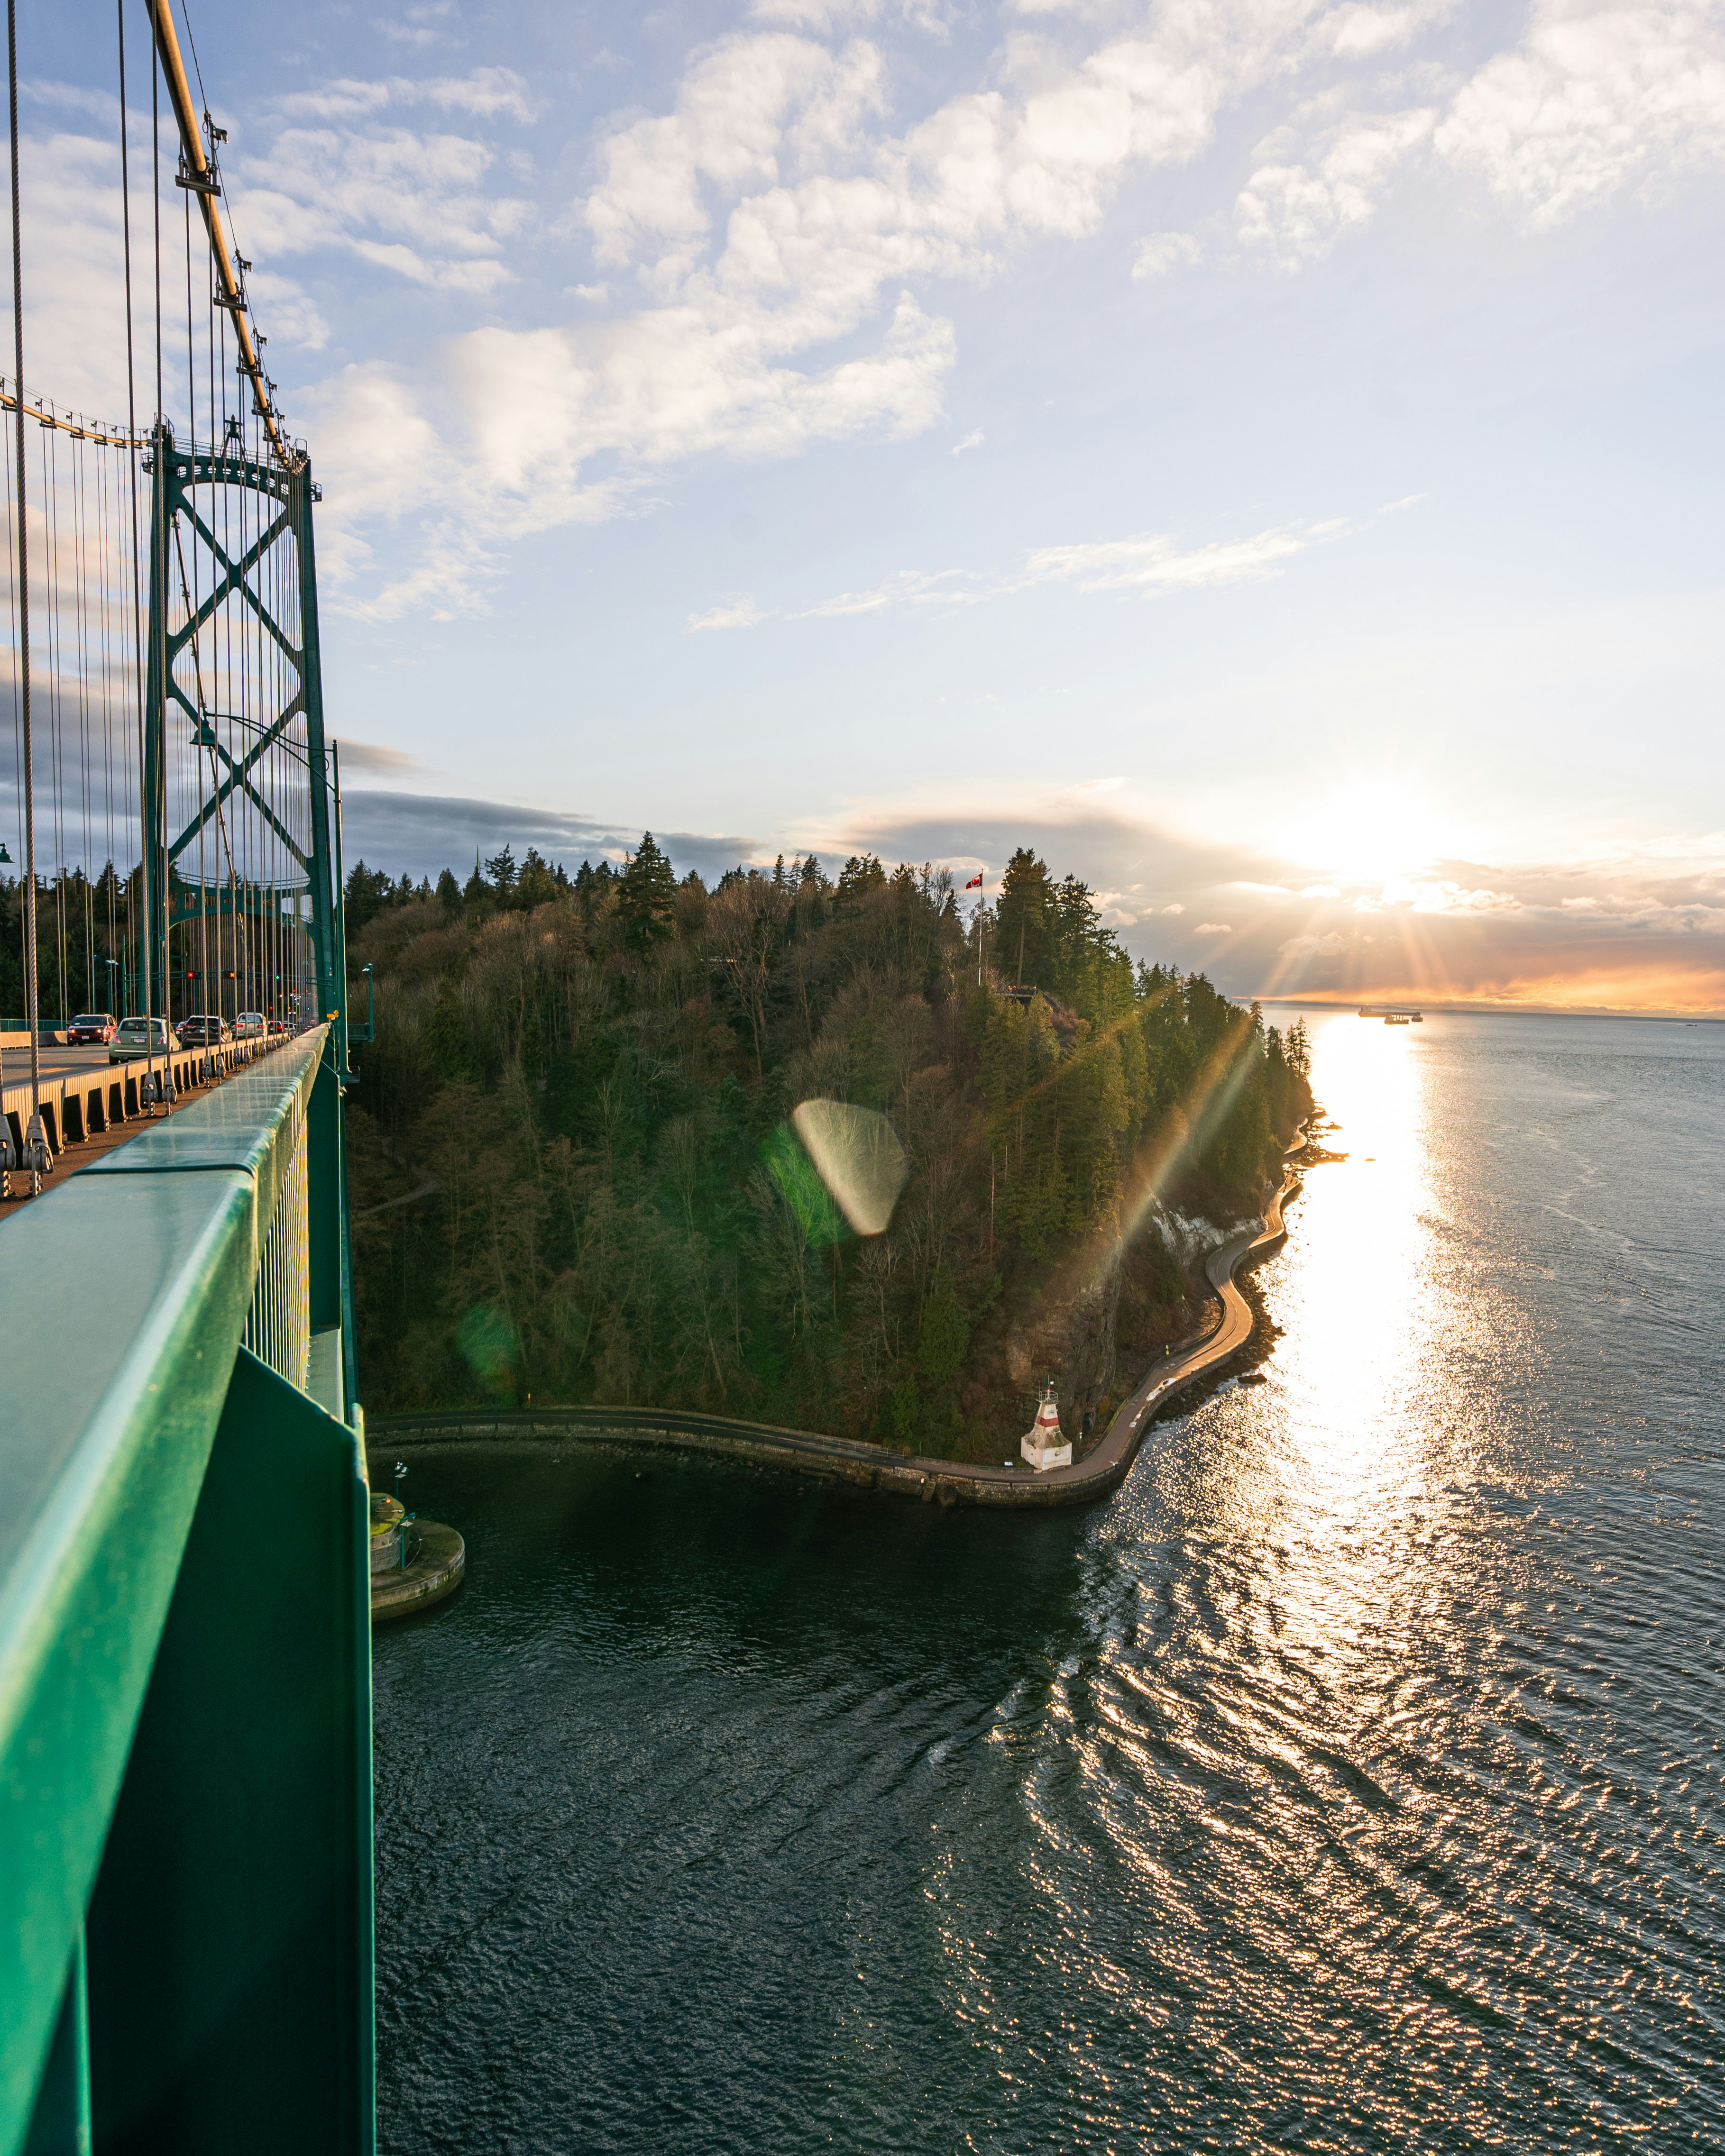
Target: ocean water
(1351, 1780)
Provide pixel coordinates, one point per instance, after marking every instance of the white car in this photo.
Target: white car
(137, 1037)
(249, 1026)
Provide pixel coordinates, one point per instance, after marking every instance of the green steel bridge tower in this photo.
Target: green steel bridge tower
(185, 1651)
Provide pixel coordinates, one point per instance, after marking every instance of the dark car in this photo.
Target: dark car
(93, 1029)
(202, 1031)
(278, 1025)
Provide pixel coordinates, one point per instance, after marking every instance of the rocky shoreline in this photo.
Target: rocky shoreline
(946, 1482)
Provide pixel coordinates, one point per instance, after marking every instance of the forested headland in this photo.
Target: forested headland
(575, 1178)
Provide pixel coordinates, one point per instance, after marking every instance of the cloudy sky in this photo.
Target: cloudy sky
(1264, 453)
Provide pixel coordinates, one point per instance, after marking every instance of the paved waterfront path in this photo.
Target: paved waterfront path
(944, 1481)
(1106, 1463)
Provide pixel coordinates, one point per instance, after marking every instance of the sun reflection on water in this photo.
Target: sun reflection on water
(1360, 1292)
(1348, 1781)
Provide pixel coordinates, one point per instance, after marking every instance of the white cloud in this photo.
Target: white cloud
(816, 15)
(1162, 251)
(1111, 911)
(1441, 895)
(1598, 93)
(905, 587)
(744, 614)
(489, 93)
(407, 203)
(1147, 563)
(1296, 213)
(288, 310)
(1156, 562)
(751, 112)
(1357, 31)
(512, 421)
(767, 221)
(1173, 909)
(1213, 928)
(971, 441)
(781, 239)
(422, 26)
(373, 756)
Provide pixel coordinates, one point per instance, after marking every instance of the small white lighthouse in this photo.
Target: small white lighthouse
(1043, 1445)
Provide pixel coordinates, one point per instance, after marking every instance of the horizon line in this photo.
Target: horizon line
(1451, 1007)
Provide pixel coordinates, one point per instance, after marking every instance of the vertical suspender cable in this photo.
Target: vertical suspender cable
(134, 933)
(154, 804)
(51, 624)
(35, 1141)
(80, 499)
(103, 559)
(192, 597)
(18, 787)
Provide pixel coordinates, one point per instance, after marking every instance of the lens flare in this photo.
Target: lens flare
(857, 1156)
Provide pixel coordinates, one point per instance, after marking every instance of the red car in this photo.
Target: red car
(94, 1029)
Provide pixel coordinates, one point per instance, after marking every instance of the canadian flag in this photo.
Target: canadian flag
(975, 884)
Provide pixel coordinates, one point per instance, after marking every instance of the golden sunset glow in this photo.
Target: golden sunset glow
(1371, 831)
(1625, 991)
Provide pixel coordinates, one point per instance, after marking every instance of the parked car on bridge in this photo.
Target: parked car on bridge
(248, 1026)
(135, 1037)
(203, 1031)
(91, 1029)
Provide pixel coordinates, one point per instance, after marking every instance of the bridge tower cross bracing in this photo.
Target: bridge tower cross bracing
(174, 701)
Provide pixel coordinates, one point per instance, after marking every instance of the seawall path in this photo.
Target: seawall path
(876, 1467)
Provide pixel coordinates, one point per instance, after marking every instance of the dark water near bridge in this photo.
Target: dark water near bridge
(1351, 1780)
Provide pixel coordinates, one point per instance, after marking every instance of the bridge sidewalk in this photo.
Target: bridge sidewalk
(69, 1109)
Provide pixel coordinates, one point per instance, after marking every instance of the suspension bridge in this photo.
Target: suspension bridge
(185, 1706)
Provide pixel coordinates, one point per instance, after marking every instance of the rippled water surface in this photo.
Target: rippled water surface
(1350, 1781)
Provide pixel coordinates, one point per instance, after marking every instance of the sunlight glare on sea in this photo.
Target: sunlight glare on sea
(1350, 1781)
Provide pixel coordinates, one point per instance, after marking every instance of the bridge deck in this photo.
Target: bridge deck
(185, 1881)
(90, 1106)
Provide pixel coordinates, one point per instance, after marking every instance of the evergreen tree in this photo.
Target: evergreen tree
(536, 886)
(1021, 915)
(364, 894)
(859, 876)
(593, 887)
(647, 900)
(612, 1140)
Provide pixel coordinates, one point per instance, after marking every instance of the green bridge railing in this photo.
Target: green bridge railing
(185, 1654)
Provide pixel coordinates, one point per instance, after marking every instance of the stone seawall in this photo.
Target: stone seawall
(841, 1460)
(946, 1482)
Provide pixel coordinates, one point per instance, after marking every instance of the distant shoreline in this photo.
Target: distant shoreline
(1495, 1010)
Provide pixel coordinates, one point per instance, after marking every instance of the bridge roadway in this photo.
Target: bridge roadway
(1103, 1468)
(86, 1099)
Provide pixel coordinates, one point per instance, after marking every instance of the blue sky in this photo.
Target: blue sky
(1264, 453)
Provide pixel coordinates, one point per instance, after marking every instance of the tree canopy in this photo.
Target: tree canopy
(600, 1074)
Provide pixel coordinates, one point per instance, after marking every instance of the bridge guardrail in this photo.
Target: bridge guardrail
(185, 1764)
